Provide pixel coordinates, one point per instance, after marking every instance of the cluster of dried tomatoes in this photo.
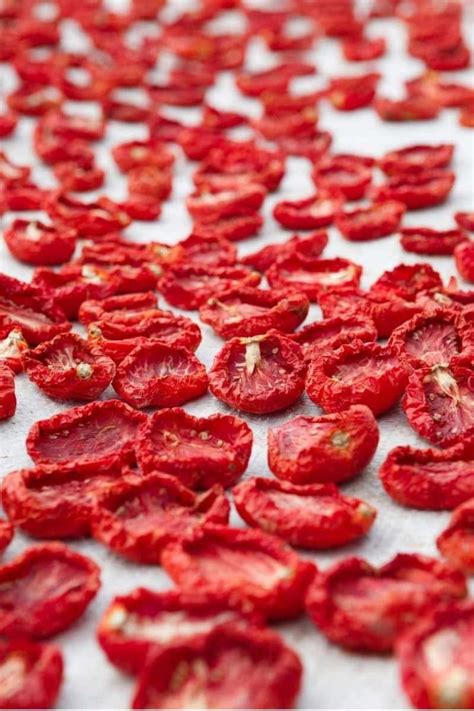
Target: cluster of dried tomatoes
(151, 487)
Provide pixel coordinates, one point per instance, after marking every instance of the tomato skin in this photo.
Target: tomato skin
(406, 281)
(423, 240)
(312, 245)
(50, 246)
(307, 214)
(122, 304)
(43, 664)
(234, 229)
(7, 392)
(464, 258)
(409, 160)
(378, 220)
(417, 191)
(410, 476)
(352, 93)
(455, 541)
(74, 178)
(138, 153)
(412, 108)
(339, 175)
(314, 276)
(321, 337)
(465, 220)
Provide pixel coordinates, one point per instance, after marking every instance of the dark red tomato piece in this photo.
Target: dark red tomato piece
(92, 220)
(341, 176)
(378, 220)
(430, 478)
(56, 501)
(7, 392)
(364, 608)
(189, 287)
(12, 348)
(425, 240)
(145, 621)
(313, 277)
(309, 246)
(30, 308)
(155, 374)
(406, 281)
(433, 338)
(67, 368)
(327, 449)
(231, 228)
(39, 244)
(249, 311)
(30, 675)
(125, 305)
(309, 213)
(211, 206)
(417, 159)
(464, 258)
(199, 451)
(325, 336)
(246, 563)
(44, 578)
(260, 374)
(456, 542)
(138, 519)
(357, 374)
(315, 516)
(412, 108)
(439, 401)
(465, 220)
(91, 436)
(351, 93)
(363, 49)
(418, 190)
(75, 178)
(435, 658)
(6, 534)
(139, 153)
(225, 670)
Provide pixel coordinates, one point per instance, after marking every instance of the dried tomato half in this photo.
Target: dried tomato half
(260, 374)
(456, 542)
(363, 49)
(6, 534)
(357, 373)
(231, 228)
(77, 178)
(439, 401)
(314, 276)
(417, 159)
(124, 305)
(138, 519)
(212, 206)
(425, 240)
(8, 122)
(331, 448)
(224, 670)
(39, 244)
(435, 658)
(145, 621)
(412, 108)
(156, 374)
(464, 258)
(339, 175)
(249, 311)
(92, 220)
(7, 392)
(45, 578)
(327, 335)
(351, 93)
(139, 153)
(378, 220)
(248, 564)
(465, 220)
(419, 190)
(189, 286)
(430, 478)
(406, 281)
(11, 174)
(365, 608)
(90, 436)
(30, 673)
(308, 246)
(12, 348)
(309, 213)
(315, 516)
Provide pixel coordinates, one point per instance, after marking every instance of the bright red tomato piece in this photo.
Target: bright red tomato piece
(30, 674)
(313, 277)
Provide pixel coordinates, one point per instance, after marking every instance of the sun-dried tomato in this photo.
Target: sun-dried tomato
(309, 213)
(209, 206)
(90, 436)
(73, 177)
(248, 311)
(315, 516)
(279, 125)
(464, 258)
(308, 246)
(325, 336)
(36, 243)
(425, 240)
(134, 154)
(246, 563)
(141, 207)
(150, 180)
(365, 608)
(12, 348)
(465, 220)
(31, 675)
(34, 99)
(45, 577)
(231, 228)
(466, 115)
(8, 122)
(23, 197)
(12, 174)
(71, 126)
(275, 79)
(357, 373)
(53, 149)
(313, 277)
(199, 451)
(435, 658)
(244, 163)
(378, 220)
(439, 401)
(91, 220)
(7, 392)
(363, 49)
(430, 478)
(351, 93)
(189, 287)
(6, 534)
(417, 159)
(406, 281)
(446, 94)
(117, 110)
(311, 147)
(211, 251)
(419, 190)
(411, 108)
(145, 622)
(219, 120)
(260, 374)
(456, 542)
(137, 520)
(341, 175)
(124, 305)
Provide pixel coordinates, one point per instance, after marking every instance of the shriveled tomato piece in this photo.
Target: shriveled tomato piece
(424, 240)
(354, 92)
(225, 670)
(327, 335)
(339, 175)
(366, 223)
(45, 577)
(411, 108)
(124, 305)
(407, 280)
(138, 519)
(145, 621)
(30, 675)
(189, 287)
(40, 244)
(231, 228)
(10, 173)
(330, 448)
(90, 436)
(92, 220)
(419, 190)
(365, 608)
(55, 501)
(6, 534)
(249, 311)
(306, 247)
(137, 153)
(315, 516)
(156, 374)
(357, 373)
(435, 658)
(418, 158)
(7, 392)
(363, 49)
(12, 348)
(430, 478)
(313, 277)
(211, 206)
(464, 258)
(67, 368)
(200, 451)
(439, 401)
(307, 214)
(259, 374)
(246, 563)
(465, 220)
(456, 542)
